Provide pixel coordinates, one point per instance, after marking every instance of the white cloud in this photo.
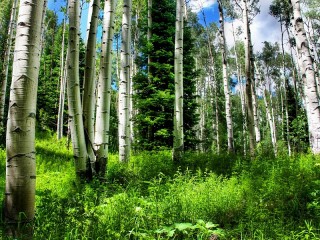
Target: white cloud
(264, 28)
(197, 5)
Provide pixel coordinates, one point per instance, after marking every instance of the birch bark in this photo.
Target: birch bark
(285, 85)
(225, 80)
(73, 91)
(178, 143)
(248, 72)
(308, 76)
(62, 86)
(242, 95)
(89, 98)
(124, 85)
(269, 107)
(213, 87)
(20, 140)
(101, 141)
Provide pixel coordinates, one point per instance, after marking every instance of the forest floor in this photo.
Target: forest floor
(204, 197)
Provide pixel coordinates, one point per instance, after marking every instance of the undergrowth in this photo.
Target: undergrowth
(205, 196)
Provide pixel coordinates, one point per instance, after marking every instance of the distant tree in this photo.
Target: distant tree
(6, 51)
(281, 10)
(249, 9)
(223, 49)
(154, 92)
(63, 82)
(178, 138)
(124, 83)
(49, 72)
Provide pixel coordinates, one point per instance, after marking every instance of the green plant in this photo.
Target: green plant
(199, 230)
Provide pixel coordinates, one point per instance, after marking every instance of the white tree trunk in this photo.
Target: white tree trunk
(104, 89)
(7, 56)
(255, 106)
(178, 138)
(313, 52)
(62, 86)
(135, 54)
(225, 81)
(285, 86)
(92, 8)
(213, 87)
(308, 76)
(270, 121)
(242, 95)
(89, 98)
(19, 202)
(73, 90)
(269, 108)
(124, 84)
(249, 88)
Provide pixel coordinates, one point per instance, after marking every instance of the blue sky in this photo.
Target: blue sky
(56, 5)
(211, 12)
(264, 27)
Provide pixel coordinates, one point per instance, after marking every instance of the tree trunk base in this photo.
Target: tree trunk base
(177, 153)
(19, 230)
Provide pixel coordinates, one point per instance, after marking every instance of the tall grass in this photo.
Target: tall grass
(153, 198)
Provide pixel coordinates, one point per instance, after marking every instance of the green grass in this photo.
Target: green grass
(153, 198)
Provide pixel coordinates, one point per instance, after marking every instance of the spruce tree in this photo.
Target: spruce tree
(154, 96)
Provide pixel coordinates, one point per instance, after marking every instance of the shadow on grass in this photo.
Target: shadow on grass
(52, 159)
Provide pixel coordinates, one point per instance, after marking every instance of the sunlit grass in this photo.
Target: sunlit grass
(55, 168)
(153, 198)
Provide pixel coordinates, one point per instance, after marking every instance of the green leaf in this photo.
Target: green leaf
(183, 226)
(171, 233)
(211, 225)
(200, 222)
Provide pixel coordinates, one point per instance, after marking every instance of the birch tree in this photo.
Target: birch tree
(7, 56)
(178, 139)
(225, 80)
(213, 82)
(101, 141)
(124, 84)
(19, 201)
(73, 90)
(249, 78)
(242, 95)
(308, 77)
(266, 91)
(62, 85)
(89, 100)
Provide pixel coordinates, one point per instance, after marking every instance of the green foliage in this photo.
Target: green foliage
(5, 7)
(154, 83)
(200, 230)
(282, 11)
(152, 198)
(299, 134)
(49, 74)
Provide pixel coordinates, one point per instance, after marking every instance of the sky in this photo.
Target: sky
(56, 5)
(264, 26)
